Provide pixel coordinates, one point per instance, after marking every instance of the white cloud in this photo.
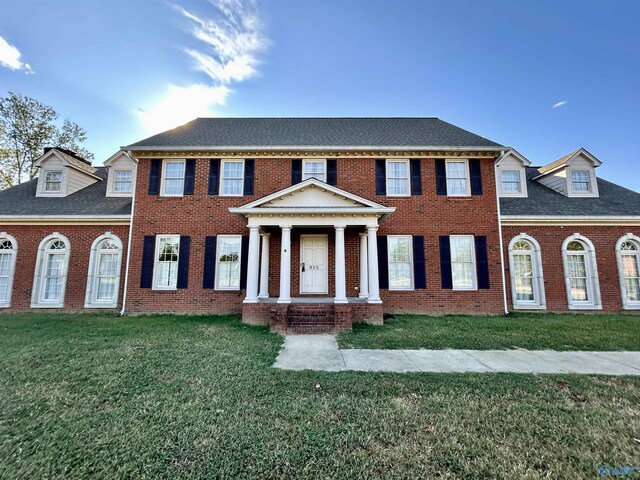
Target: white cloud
(10, 57)
(559, 104)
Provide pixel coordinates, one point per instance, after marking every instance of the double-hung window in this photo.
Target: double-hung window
(173, 177)
(7, 269)
(580, 181)
(400, 262)
(122, 181)
(398, 178)
(229, 250)
(510, 181)
(577, 272)
(53, 181)
(629, 263)
(581, 273)
(232, 178)
(314, 169)
(463, 262)
(166, 264)
(458, 178)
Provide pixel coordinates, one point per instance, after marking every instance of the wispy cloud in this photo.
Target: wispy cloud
(10, 57)
(231, 40)
(560, 104)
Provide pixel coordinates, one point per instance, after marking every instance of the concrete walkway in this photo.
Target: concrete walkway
(321, 352)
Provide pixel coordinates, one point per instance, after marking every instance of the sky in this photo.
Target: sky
(544, 77)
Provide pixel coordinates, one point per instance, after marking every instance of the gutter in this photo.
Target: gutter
(504, 280)
(126, 268)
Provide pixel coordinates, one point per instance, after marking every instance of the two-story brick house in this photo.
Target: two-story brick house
(311, 223)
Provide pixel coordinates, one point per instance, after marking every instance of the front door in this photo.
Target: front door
(313, 264)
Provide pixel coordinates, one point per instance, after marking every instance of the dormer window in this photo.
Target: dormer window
(122, 181)
(580, 181)
(510, 181)
(53, 181)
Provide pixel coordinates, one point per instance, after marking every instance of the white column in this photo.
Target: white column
(285, 266)
(252, 265)
(264, 267)
(374, 289)
(341, 276)
(364, 271)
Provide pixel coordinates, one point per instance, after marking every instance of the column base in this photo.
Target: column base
(283, 300)
(340, 300)
(363, 295)
(262, 297)
(250, 300)
(374, 301)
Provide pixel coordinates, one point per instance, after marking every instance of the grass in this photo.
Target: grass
(91, 396)
(520, 330)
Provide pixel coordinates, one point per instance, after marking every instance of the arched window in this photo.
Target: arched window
(527, 282)
(103, 279)
(628, 254)
(50, 279)
(8, 253)
(581, 273)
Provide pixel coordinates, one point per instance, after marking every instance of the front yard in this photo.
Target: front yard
(91, 396)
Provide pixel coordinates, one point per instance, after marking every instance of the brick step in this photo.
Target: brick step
(310, 329)
(310, 323)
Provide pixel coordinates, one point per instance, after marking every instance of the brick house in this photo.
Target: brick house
(314, 223)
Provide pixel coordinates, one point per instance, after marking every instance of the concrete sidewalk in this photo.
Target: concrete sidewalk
(321, 352)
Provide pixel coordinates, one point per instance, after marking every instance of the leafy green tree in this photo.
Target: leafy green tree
(27, 126)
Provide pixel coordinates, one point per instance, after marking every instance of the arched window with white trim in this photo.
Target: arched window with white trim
(525, 266)
(628, 256)
(581, 273)
(52, 266)
(103, 279)
(8, 254)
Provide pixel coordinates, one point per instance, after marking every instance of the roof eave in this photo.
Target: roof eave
(156, 148)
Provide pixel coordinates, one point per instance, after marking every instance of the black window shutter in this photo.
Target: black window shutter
(244, 261)
(416, 177)
(482, 262)
(189, 175)
(332, 171)
(296, 171)
(383, 262)
(476, 176)
(249, 169)
(419, 273)
(154, 176)
(445, 262)
(381, 177)
(214, 176)
(183, 262)
(209, 272)
(148, 252)
(441, 177)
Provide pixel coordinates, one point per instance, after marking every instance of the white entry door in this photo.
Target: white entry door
(313, 264)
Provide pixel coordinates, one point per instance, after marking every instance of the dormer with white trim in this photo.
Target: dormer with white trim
(573, 175)
(121, 178)
(511, 174)
(63, 172)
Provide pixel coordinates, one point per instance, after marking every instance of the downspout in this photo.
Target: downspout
(504, 281)
(126, 268)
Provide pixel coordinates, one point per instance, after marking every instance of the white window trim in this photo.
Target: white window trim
(154, 285)
(593, 284)
(629, 237)
(523, 183)
(221, 186)
(539, 302)
(12, 267)
(38, 277)
(474, 270)
(466, 163)
(162, 176)
(386, 176)
(593, 183)
(111, 188)
(90, 301)
(412, 282)
(217, 260)
(315, 160)
(42, 182)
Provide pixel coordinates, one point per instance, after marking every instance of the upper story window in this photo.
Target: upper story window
(122, 181)
(314, 169)
(8, 252)
(580, 181)
(53, 181)
(173, 177)
(228, 262)
(458, 184)
(232, 178)
(628, 252)
(166, 262)
(510, 181)
(400, 260)
(398, 178)
(463, 262)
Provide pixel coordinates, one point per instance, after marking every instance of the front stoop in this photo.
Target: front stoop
(312, 318)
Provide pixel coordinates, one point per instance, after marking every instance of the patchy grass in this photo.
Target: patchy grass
(531, 331)
(92, 396)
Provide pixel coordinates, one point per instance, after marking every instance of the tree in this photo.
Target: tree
(27, 126)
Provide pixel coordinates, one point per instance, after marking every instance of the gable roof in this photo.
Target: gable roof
(335, 133)
(561, 162)
(70, 158)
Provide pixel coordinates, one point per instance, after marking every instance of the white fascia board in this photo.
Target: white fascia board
(632, 220)
(65, 219)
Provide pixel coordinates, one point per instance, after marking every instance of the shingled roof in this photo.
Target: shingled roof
(92, 200)
(273, 133)
(613, 200)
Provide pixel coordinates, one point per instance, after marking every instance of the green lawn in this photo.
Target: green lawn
(89, 396)
(520, 330)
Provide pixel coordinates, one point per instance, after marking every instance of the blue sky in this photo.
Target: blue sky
(125, 69)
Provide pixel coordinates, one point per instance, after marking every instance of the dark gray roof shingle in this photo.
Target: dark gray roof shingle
(91, 200)
(315, 132)
(614, 200)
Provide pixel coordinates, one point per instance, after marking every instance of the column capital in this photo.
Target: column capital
(372, 229)
(362, 234)
(266, 234)
(339, 227)
(286, 227)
